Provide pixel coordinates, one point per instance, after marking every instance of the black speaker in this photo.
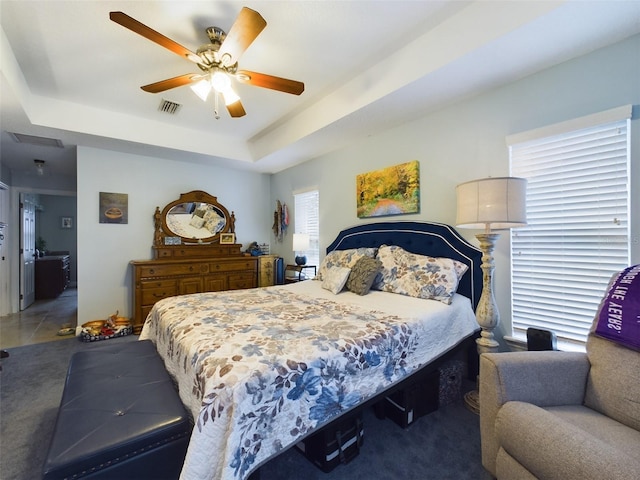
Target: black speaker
(540, 340)
(279, 270)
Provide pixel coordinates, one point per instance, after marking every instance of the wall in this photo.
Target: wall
(466, 141)
(105, 250)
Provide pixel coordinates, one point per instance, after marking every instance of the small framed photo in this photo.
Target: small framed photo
(66, 222)
(227, 238)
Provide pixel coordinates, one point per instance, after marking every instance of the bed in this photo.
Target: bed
(260, 369)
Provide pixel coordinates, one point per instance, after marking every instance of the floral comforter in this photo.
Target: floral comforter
(261, 368)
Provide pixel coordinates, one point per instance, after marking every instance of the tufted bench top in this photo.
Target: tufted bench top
(120, 417)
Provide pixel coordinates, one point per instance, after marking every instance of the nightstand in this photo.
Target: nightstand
(300, 273)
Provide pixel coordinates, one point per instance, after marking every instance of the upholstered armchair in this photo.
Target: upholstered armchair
(562, 415)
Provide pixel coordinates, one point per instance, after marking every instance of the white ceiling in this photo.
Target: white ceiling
(70, 73)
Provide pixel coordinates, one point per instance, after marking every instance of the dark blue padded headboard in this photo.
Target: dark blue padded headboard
(423, 238)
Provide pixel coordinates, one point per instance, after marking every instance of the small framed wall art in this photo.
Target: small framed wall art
(66, 222)
(114, 207)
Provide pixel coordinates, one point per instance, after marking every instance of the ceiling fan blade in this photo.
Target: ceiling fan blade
(174, 82)
(269, 81)
(236, 109)
(150, 34)
(243, 32)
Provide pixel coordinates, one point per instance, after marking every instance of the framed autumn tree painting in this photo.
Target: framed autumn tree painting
(390, 191)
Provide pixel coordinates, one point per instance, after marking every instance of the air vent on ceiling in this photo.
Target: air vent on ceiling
(169, 107)
(34, 140)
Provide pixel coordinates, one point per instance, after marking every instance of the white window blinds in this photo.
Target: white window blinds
(307, 221)
(578, 231)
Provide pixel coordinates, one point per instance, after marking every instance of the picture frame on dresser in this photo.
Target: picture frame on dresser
(227, 238)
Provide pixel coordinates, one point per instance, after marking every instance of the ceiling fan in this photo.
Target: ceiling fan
(217, 59)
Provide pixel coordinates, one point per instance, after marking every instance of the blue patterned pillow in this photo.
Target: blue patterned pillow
(416, 275)
(344, 258)
(335, 278)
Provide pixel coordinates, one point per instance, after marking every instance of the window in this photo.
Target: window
(578, 229)
(307, 221)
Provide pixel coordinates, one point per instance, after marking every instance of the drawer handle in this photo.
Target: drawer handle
(152, 271)
(191, 268)
(162, 295)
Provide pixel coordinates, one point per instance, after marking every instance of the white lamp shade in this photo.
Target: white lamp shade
(300, 242)
(496, 203)
(202, 89)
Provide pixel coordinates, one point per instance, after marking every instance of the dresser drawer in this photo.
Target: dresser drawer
(235, 266)
(242, 281)
(176, 269)
(157, 290)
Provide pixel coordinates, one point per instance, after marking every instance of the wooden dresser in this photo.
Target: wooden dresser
(177, 273)
(195, 251)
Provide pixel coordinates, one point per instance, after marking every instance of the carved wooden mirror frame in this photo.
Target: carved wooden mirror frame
(196, 218)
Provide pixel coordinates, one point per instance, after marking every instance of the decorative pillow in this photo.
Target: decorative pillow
(344, 258)
(196, 222)
(460, 268)
(214, 225)
(416, 275)
(363, 274)
(619, 311)
(335, 279)
(199, 212)
(211, 214)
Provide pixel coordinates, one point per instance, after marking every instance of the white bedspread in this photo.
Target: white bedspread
(261, 368)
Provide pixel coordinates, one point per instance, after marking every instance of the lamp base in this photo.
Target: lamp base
(301, 260)
(487, 313)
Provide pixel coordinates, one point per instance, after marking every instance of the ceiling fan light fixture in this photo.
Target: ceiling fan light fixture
(39, 166)
(202, 89)
(220, 81)
(230, 96)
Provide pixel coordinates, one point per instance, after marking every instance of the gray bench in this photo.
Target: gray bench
(120, 417)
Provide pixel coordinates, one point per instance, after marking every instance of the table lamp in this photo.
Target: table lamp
(300, 244)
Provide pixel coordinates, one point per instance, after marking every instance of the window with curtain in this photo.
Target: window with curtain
(578, 223)
(307, 217)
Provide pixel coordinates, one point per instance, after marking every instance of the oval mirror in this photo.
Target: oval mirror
(196, 217)
(195, 220)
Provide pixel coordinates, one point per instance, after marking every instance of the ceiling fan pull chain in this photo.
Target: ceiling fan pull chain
(216, 113)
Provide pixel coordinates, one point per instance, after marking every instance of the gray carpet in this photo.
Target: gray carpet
(442, 445)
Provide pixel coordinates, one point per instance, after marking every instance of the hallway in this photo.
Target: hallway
(40, 322)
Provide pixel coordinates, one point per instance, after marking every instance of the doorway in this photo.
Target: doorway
(50, 230)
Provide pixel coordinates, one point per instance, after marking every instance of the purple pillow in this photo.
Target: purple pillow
(619, 318)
